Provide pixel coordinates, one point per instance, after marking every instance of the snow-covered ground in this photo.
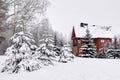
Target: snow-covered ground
(79, 69)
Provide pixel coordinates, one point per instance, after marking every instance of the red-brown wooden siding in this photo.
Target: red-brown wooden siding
(96, 41)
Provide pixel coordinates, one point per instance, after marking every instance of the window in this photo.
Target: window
(105, 43)
(102, 41)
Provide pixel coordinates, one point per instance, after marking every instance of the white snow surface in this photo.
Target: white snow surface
(79, 69)
(96, 32)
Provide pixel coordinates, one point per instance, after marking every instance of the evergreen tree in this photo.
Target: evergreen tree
(88, 48)
(115, 43)
(22, 55)
(61, 40)
(19, 51)
(48, 41)
(61, 43)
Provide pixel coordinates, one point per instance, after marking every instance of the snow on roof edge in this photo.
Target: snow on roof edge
(96, 32)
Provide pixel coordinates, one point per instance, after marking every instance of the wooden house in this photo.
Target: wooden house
(99, 37)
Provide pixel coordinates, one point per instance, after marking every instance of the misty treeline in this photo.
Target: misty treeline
(28, 16)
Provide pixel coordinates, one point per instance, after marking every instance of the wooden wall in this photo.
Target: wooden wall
(97, 41)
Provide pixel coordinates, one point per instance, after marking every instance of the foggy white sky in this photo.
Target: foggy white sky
(63, 14)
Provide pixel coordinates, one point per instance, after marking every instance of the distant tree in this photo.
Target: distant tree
(88, 48)
(3, 15)
(46, 33)
(70, 41)
(55, 39)
(35, 30)
(4, 34)
(61, 40)
(115, 43)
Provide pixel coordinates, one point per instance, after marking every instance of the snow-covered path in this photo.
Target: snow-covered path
(79, 69)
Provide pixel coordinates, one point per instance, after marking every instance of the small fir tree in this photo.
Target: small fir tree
(103, 50)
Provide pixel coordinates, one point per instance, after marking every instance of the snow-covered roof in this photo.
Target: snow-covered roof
(96, 32)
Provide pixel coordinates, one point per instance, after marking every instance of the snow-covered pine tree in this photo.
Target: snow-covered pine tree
(19, 53)
(88, 48)
(56, 48)
(22, 55)
(46, 41)
(65, 50)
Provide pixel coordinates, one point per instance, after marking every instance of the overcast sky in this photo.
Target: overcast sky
(63, 14)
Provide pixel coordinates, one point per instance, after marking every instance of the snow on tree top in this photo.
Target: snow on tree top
(96, 32)
(17, 37)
